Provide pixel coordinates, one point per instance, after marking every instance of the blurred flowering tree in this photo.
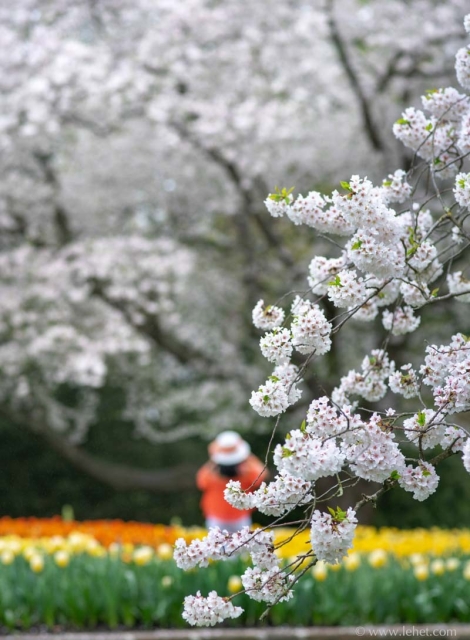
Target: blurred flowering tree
(137, 142)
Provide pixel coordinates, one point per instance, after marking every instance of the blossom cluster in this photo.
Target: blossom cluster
(387, 259)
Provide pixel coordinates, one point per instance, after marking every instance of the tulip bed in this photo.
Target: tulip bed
(113, 574)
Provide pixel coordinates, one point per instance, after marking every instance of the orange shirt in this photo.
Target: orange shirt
(251, 474)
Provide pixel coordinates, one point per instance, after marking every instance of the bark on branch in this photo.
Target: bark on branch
(122, 477)
(365, 108)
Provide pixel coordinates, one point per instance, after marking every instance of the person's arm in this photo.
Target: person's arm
(205, 475)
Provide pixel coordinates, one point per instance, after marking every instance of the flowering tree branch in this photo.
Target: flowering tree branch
(388, 266)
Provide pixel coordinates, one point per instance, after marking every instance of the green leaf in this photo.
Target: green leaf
(339, 515)
(286, 453)
(421, 419)
(394, 475)
(387, 183)
(336, 282)
(402, 121)
(356, 245)
(345, 185)
(434, 292)
(428, 127)
(425, 472)
(273, 379)
(303, 426)
(280, 195)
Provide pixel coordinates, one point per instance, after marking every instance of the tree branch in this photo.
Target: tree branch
(119, 476)
(248, 201)
(64, 232)
(366, 113)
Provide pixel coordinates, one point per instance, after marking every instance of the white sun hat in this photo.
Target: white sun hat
(229, 448)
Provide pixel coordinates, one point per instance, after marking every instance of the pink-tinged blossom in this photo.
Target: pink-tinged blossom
(400, 321)
(454, 437)
(271, 585)
(425, 429)
(466, 455)
(271, 399)
(421, 480)
(404, 381)
(311, 211)
(466, 23)
(267, 318)
(446, 103)
(279, 207)
(462, 189)
(429, 138)
(386, 291)
(276, 346)
(325, 421)
(332, 538)
(367, 312)
(221, 545)
(421, 256)
(447, 370)
(372, 452)
(272, 498)
(321, 271)
(369, 383)
(307, 457)
(463, 140)
(288, 375)
(346, 289)
(395, 188)
(458, 286)
(462, 66)
(415, 294)
(207, 612)
(310, 329)
(381, 259)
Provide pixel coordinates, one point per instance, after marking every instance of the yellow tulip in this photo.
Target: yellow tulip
(417, 558)
(29, 552)
(78, 541)
(165, 551)
(466, 571)
(36, 563)
(320, 571)
(352, 561)
(378, 558)
(438, 567)
(7, 556)
(421, 572)
(452, 564)
(234, 584)
(114, 549)
(96, 551)
(143, 555)
(61, 558)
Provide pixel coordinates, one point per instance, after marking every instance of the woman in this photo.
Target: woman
(230, 459)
